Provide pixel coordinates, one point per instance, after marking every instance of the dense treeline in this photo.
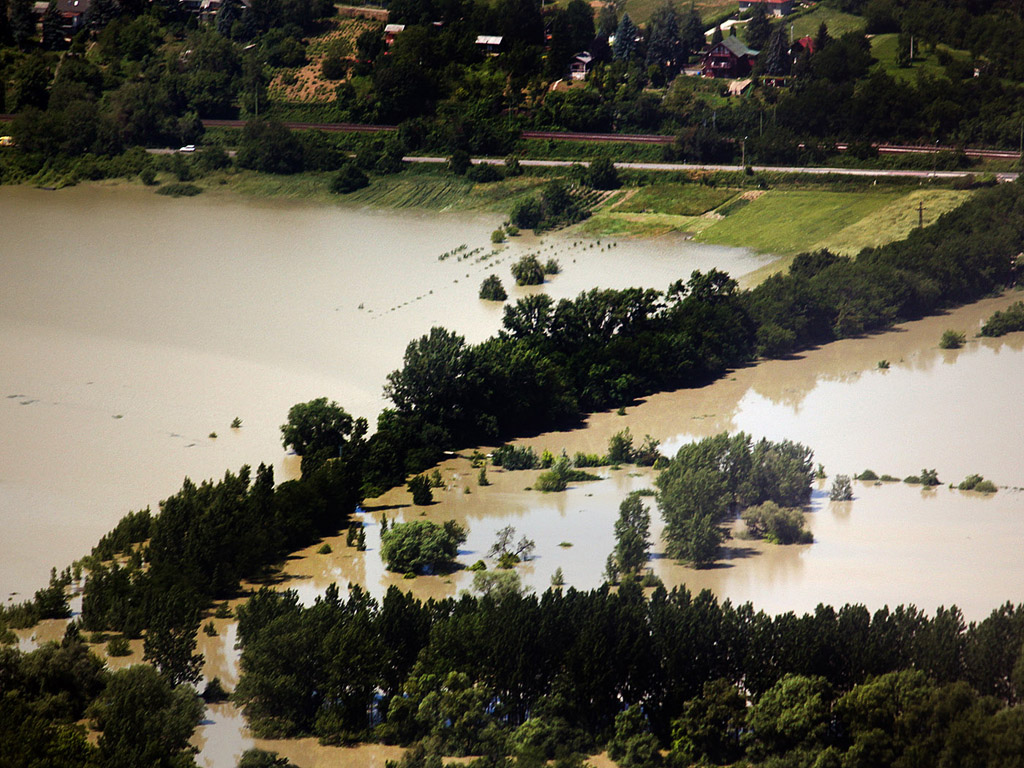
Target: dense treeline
(525, 673)
(45, 694)
(209, 536)
(153, 70)
(553, 362)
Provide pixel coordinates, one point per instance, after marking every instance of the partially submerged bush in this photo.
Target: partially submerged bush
(513, 457)
(419, 486)
(528, 271)
(842, 490)
(779, 525)
(421, 545)
(952, 340)
(977, 483)
(866, 475)
(1007, 321)
(179, 189)
(119, 647)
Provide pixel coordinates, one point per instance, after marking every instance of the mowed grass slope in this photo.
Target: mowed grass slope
(789, 222)
(894, 221)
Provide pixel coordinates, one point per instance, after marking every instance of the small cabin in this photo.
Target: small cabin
(489, 44)
(391, 31)
(580, 65)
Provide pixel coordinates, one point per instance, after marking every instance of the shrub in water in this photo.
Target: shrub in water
(867, 474)
(179, 189)
(777, 524)
(952, 340)
(528, 271)
(841, 489)
(1009, 320)
(491, 289)
(420, 488)
(119, 647)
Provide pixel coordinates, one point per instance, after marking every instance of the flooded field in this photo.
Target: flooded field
(895, 543)
(140, 326)
(133, 328)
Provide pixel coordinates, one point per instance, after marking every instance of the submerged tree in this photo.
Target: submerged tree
(632, 535)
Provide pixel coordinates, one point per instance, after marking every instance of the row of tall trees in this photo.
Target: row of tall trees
(711, 681)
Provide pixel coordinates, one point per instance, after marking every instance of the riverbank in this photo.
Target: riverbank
(723, 209)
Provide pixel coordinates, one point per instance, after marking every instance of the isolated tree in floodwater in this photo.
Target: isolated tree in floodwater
(632, 535)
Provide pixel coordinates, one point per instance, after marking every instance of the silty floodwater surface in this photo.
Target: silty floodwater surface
(133, 327)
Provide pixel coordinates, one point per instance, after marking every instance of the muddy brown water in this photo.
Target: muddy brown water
(132, 326)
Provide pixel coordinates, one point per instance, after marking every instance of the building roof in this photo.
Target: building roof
(583, 57)
(393, 29)
(488, 39)
(735, 46)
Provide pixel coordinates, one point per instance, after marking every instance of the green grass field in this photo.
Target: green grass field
(838, 23)
(416, 187)
(606, 223)
(885, 49)
(893, 221)
(784, 222)
(675, 199)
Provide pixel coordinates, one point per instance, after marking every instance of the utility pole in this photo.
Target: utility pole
(920, 214)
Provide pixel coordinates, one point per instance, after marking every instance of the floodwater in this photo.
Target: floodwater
(957, 411)
(134, 327)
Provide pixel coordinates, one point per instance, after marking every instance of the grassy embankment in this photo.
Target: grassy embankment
(779, 221)
(838, 23)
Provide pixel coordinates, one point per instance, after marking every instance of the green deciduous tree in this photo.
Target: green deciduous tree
(144, 720)
(320, 427)
(632, 531)
(421, 545)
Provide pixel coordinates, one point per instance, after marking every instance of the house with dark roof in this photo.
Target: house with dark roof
(729, 58)
(771, 7)
(72, 13)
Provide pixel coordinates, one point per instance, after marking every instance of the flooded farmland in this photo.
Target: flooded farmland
(135, 328)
